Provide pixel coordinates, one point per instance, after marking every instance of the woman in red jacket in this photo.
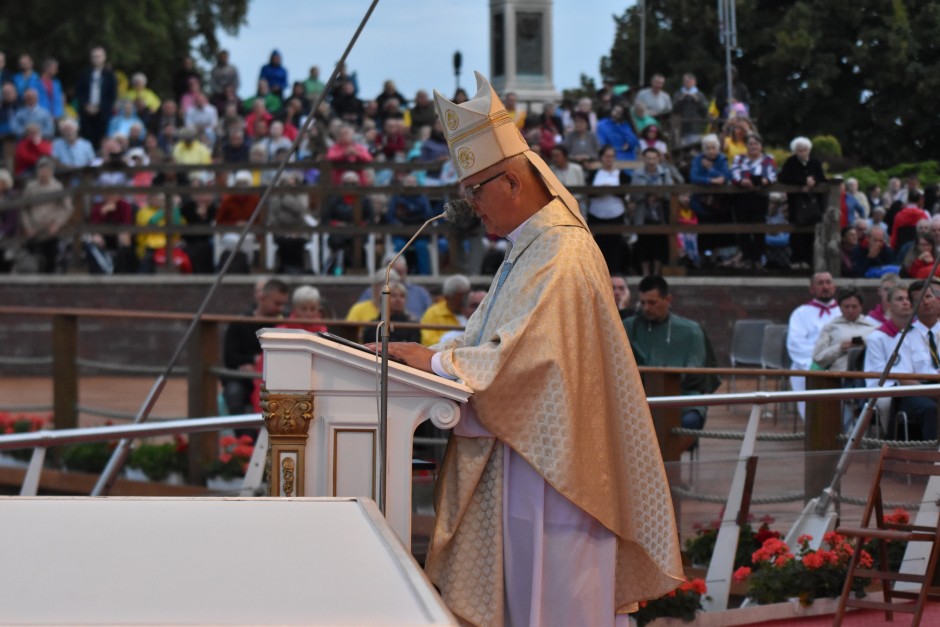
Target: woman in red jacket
(919, 260)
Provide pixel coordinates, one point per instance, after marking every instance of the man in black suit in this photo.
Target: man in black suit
(96, 92)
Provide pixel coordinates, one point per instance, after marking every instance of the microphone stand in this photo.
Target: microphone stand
(383, 402)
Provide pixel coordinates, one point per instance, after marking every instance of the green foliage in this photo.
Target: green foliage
(151, 36)
(778, 574)
(234, 456)
(22, 423)
(779, 154)
(866, 178)
(927, 172)
(826, 147)
(699, 548)
(89, 457)
(158, 461)
(863, 71)
(682, 603)
(586, 89)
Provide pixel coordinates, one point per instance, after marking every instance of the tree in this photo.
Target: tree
(151, 36)
(865, 71)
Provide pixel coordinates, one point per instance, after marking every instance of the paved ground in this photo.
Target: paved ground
(121, 394)
(780, 471)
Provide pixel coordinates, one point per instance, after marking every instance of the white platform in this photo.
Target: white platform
(259, 561)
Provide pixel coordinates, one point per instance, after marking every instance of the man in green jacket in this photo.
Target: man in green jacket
(661, 338)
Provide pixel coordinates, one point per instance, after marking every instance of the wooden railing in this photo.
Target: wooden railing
(823, 424)
(81, 187)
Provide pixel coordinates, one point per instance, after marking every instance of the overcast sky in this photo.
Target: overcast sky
(409, 41)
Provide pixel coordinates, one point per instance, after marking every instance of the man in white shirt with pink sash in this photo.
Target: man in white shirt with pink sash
(552, 505)
(806, 322)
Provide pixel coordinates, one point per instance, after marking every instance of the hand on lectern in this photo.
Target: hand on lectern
(413, 354)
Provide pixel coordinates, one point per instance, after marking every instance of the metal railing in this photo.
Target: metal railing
(40, 441)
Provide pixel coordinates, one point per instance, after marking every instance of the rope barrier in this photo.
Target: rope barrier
(10, 360)
(234, 374)
(851, 500)
(121, 415)
(738, 435)
(878, 443)
(18, 409)
(786, 497)
(111, 366)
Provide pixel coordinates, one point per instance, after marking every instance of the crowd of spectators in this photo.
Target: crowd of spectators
(111, 117)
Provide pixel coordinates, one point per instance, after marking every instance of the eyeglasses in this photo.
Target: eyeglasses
(470, 192)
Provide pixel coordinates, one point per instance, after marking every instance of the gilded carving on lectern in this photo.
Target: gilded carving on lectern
(287, 475)
(286, 414)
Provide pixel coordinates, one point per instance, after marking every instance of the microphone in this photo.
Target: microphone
(388, 269)
(384, 325)
(460, 213)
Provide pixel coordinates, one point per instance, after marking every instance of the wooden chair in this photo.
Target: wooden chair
(895, 461)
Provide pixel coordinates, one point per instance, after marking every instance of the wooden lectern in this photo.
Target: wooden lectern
(321, 405)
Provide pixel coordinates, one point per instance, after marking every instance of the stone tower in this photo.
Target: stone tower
(521, 49)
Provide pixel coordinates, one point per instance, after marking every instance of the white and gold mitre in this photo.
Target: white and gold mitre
(479, 132)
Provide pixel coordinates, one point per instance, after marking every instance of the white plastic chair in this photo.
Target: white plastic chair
(313, 248)
(226, 241)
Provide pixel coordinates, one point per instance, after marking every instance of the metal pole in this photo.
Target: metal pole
(382, 453)
(109, 475)
(458, 62)
(642, 7)
(729, 37)
(383, 406)
(861, 425)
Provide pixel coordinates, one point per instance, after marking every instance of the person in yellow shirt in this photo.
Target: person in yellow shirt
(448, 310)
(512, 106)
(139, 91)
(153, 213)
(189, 151)
(369, 310)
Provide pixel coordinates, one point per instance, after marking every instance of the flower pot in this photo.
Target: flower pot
(224, 485)
(175, 478)
(12, 462)
(135, 474)
(761, 614)
(670, 621)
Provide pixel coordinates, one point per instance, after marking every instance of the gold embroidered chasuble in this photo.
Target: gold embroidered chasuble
(554, 378)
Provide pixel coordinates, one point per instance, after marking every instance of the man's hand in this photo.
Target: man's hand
(413, 354)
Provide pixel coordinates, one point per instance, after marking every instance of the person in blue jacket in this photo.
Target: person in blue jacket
(616, 131)
(711, 168)
(275, 73)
